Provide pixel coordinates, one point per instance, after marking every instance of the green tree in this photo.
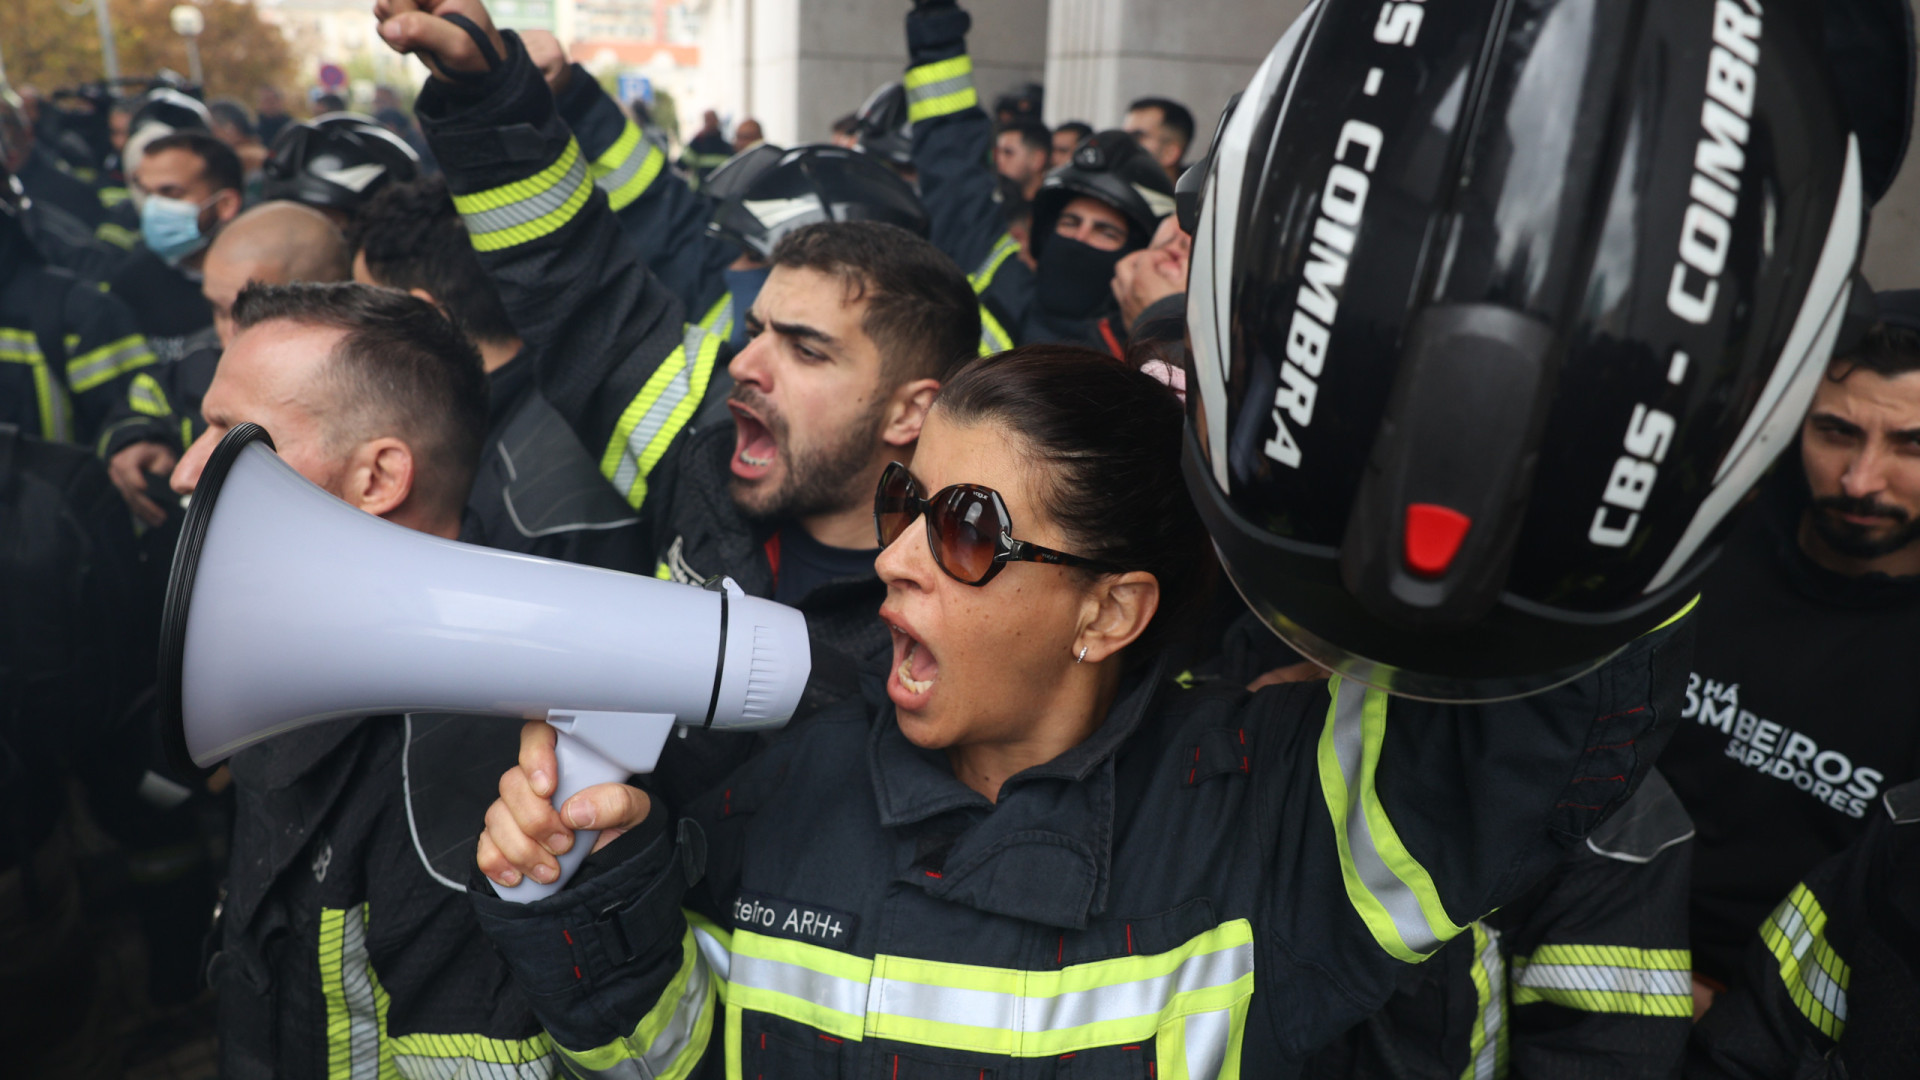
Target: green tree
(54, 43)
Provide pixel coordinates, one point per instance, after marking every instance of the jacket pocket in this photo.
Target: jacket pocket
(776, 1049)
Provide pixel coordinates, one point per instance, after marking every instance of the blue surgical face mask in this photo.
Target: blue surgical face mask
(745, 286)
(171, 227)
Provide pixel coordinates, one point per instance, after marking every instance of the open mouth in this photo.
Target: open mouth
(915, 669)
(755, 449)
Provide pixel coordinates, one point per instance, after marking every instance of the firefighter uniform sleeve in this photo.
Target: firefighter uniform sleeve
(952, 148)
(1831, 986)
(629, 950)
(1599, 977)
(104, 351)
(665, 221)
(1432, 816)
(618, 360)
(161, 404)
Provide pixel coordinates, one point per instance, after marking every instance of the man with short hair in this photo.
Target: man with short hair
(158, 416)
(707, 150)
(855, 325)
(538, 491)
(1021, 150)
(747, 135)
(1066, 138)
(233, 125)
(1804, 703)
(190, 184)
(1164, 128)
(376, 397)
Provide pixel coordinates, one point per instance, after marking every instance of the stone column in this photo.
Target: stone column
(1101, 54)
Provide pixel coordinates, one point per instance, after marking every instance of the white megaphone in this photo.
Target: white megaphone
(287, 607)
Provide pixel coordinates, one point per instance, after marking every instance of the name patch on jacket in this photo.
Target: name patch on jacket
(792, 919)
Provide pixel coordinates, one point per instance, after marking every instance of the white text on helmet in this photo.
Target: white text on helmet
(1342, 201)
(1648, 437)
(1707, 229)
(1399, 23)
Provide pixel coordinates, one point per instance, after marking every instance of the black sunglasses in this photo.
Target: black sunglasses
(968, 528)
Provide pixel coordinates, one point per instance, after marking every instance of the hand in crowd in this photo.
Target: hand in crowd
(524, 832)
(420, 27)
(550, 57)
(1146, 277)
(130, 470)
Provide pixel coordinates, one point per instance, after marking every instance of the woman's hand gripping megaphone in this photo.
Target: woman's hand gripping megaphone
(456, 39)
(529, 836)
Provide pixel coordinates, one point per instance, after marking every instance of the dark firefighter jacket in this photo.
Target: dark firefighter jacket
(1831, 988)
(1586, 977)
(952, 151)
(343, 954)
(1213, 884)
(618, 361)
(162, 402)
(67, 565)
(67, 350)
(537, 491)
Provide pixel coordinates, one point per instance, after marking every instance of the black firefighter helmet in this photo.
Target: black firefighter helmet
(884, 129)
(766, 192)
(336, 161)
(173, 109)
(1498, 312)
(1111, 167)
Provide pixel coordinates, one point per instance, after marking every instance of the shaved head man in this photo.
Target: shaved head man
(275, 243)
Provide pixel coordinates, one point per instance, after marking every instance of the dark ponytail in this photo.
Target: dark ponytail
(1107, 440)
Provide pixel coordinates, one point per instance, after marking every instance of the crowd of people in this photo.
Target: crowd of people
(1086, 816)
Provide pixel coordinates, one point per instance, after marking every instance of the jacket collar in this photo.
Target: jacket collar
(1044, 852)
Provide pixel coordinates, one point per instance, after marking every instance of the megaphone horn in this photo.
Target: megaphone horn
(287, 607)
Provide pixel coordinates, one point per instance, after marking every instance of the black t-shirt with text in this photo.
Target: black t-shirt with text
(1802, 707)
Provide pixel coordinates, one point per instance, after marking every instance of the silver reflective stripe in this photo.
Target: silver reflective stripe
(422, 1067)
(818, 987)
(1206, 1039)
(658, 413)
(1814, 977)
(674, 1039)
(628, 169)
(1076, 1008)
(954, 85)
(1399, 901)
(1493, 1010)
(714, 951)
(1604, 979)
(356, 991)
(84, 376)
(533, 207)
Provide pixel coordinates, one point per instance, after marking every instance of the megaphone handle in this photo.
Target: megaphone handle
(580, 768)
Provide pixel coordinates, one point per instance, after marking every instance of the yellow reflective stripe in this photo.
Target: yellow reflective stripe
(186, 432)
(108, 362)
(116, 235)
(1487, 1043)
(1678, 615)
(1200, 987)
(1202, 1046)
(719, 318)
(1389, 889)
(434, 1049)
(354, 1007)
(623, 174)
(671, 1038)
(993, 336)
(734, 1038)
(146, 397)
(1814, 975)
(358, 1047)
(50, 394)
(528, 209)
(657, 414)
(982, 277)
(1607, 979)
(940, 88)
